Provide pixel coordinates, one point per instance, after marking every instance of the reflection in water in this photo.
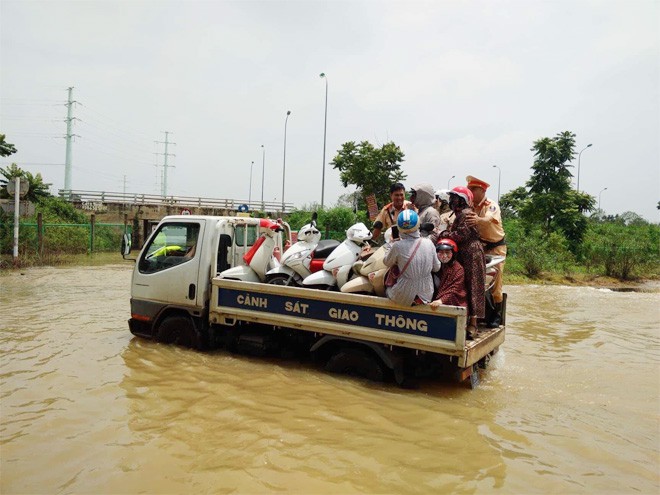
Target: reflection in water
(572, 395)
(276, 426)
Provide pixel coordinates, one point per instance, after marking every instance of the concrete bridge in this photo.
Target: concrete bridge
(152, 205)
(144, 211)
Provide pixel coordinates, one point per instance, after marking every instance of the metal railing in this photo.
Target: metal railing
(104, 197)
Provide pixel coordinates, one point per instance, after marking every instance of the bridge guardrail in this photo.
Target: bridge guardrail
(76, 196)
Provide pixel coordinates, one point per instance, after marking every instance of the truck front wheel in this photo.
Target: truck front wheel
(179, 330)
(357, 363)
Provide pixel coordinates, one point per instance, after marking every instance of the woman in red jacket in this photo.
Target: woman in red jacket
(451, 278)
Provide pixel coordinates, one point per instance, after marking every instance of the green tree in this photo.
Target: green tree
(371, 169)
(6, 149)
(38, 188)
(551, 203)
(334, 220)
(512, 202)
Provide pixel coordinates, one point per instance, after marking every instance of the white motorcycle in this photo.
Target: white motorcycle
(303, 258)
(363, 282)
(338, 266)
(260, 258)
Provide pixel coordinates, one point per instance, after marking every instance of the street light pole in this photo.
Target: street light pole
(263, 173)
(578, 174)
(288, 112)
(450, 180)
(250, 195)
(499, 182)
(601, 192)
(325, 128)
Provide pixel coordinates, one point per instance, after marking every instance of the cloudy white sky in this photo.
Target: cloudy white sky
(460, 86)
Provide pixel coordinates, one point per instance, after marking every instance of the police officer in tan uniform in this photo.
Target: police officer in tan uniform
(488, 220)
(388, 215)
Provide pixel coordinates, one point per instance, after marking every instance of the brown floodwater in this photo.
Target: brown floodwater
(570, 404)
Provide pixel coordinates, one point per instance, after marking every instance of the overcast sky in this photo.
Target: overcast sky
(460, 86)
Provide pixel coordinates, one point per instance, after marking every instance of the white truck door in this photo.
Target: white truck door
(168, 267)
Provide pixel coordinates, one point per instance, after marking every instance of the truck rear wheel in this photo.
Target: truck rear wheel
(357, 363)
(179, 330)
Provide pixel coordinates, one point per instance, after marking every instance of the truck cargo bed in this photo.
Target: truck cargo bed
(369, 318)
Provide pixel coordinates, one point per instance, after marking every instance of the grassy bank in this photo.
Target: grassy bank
(94, 259)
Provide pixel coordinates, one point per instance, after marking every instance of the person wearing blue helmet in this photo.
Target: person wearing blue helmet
(415, 259)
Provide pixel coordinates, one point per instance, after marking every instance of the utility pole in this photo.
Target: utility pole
(163, 188)
(263, 174)
(69, 139)
(325, 128)
(124, 196)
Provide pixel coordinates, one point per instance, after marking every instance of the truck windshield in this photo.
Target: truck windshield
(172, 245)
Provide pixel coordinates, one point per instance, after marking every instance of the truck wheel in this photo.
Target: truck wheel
(178, 330)
(282, 280)
(357, 363)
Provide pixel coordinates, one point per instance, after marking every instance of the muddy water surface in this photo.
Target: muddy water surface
(571, 404)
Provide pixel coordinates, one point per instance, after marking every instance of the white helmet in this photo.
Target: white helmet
(309, 233)
(442, 195)
(358, 233)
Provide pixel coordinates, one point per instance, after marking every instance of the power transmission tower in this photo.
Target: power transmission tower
(163, 188)
(69, 139)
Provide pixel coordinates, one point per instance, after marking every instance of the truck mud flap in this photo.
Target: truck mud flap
(471, 373)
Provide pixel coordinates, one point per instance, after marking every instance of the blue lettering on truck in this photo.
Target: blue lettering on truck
(396, 319)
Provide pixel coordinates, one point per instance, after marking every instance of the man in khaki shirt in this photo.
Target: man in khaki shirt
(388, 215)
(488, 220)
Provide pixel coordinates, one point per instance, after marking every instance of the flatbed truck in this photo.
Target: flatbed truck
(185, 302)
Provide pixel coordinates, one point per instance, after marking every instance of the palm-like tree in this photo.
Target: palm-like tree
(38, 188)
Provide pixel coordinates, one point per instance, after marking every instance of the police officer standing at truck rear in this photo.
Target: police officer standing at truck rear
(488, 220)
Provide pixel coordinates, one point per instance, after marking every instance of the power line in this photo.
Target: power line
(36, 164)
(27, 101)
(37, 119)
(124, 142)
(117, 154)
(119, 125)
(37, 134)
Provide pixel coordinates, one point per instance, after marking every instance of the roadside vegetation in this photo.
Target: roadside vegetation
(554, 234)
(66, 231)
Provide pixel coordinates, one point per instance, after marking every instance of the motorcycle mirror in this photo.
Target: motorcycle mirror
(427, 227)
(378, 225)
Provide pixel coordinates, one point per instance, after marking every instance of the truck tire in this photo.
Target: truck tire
(179, 330)
(357, 363)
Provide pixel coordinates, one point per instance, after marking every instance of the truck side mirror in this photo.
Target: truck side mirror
(125, 245)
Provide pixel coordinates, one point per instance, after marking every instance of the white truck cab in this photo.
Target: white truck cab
(173, 272)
